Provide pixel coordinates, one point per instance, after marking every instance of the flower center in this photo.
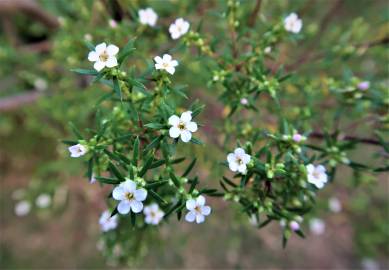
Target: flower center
(316, 174)
(129, 196)
(104, 56)
(239, 161)
(197, 209)
(165, 65)
(181, 126)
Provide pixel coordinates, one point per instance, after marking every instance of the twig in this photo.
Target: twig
(254, 14)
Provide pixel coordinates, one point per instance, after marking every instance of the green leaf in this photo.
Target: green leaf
(116, 88)
(175, 180)
(75, 131)
(108, 180)
(196, 141)
(157, 164)
(114, 212)
(179, 205)
(155, 126)
(156, 184)
(85, 71)
(135, 151)
(112, 168)
(190, 167)
(133, 218)
(156, 197)
(146, 166)
(67, 142)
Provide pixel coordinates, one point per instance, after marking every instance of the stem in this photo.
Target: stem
(319, 135)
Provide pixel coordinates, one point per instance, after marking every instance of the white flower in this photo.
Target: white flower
(147, 16)
(179, 28)
(153, 214)
(104, 56)
(363, 85)
(267, 50)
(335, 205)
(107, 222)
(166, 63)
(317, 175)
(92, 178)
(197, 210)
(292, 23)
(130, 197)
(297, 137)
(238, 160)
(22, 208)
(182, 126)
(317, 226)
(43, 200)
(253, 220)
(77, 150)
(40, 84)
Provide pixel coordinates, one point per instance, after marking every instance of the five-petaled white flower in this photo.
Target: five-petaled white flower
(104, 56)
(293, 23)
(166, 63)
(179, 28)
(317, 175)
(153, 214)
(182, 126)
(238, 160)
(129, 196)
(107, 222)
(147, 16)
(77, 150)
(197, 210)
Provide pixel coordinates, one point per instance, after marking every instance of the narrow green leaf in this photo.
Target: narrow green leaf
(156, 196)
(112, 168)
(156, 184)
(135, 151)
(175, 180)
(190, 167)
(146, 166)
(116, 88)
(85, 71)
(107, 180)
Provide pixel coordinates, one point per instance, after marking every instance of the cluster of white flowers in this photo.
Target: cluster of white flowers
(237, 161)
(292, 23)
(182, 126)
(77, 150)
(104, 56)
(130, 197)
(317, 175)
(197, 210)
(107, 222)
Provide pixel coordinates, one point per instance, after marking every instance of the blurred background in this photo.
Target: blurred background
(49, 211)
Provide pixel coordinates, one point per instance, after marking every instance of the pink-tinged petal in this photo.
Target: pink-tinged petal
(200, 200)
(111, 62)
(191, 126)
(190, 216)
(136, 206)
(112, 50)
(148, 219)
(320, 169)
(205, 210)
(119, 193)
(231, 157)
(158, 59)
(140, 194)
(170, 70)
(186, 136)
(174, 132)
(154, 207)
(101, 48)
(174, 120)
(99, 65)
(129, 186)
(166, 57)
(124, 207)
(199, 218)
(147, 210)
(93, 56)
(190, 204)
(186, 116)
(239, 152)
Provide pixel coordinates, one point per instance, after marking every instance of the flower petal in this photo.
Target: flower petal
(191, 126)
(158, 59)
(186, 136)
(99, 65)
(118, 193)
(199, 218)
(231, 157)
(170, 70)
(93, 56)
(200, 200)
(174, 120)
(190, 204)
(140, 194)
(111, 62)
(101, 48)
(174, 132)
(190, 216)
(136, 206)
(239, 151)
(129, 186)
(112, 50)
(186, 116)
(233, 166)
(167, 57)
(205, 210)
(174, 63)
(246, 158)
(124, 207)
